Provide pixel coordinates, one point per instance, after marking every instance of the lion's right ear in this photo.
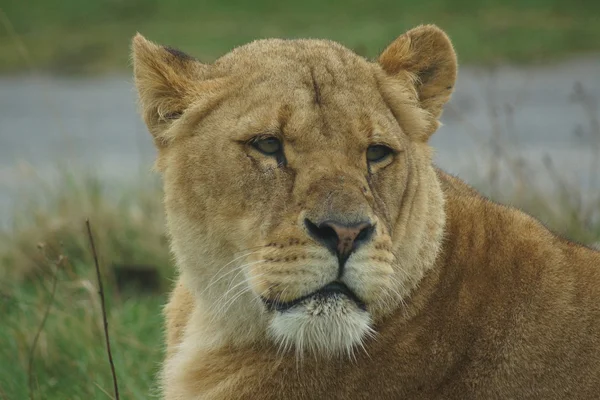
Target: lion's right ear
(166, 81)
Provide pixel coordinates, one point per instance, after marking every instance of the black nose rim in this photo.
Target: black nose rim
(324, 234)
(365, 234)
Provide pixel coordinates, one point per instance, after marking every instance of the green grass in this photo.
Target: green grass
(73, 36)
(69, 360)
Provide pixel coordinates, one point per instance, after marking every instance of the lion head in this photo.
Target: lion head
(300, 196)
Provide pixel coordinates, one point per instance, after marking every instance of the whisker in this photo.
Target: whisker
(212, 282)
(225, 307)
(248, 289)
(239, 270)
(231, 301)
(224, 295)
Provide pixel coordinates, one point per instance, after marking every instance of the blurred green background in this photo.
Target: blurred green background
(66, 101)
(89, 35)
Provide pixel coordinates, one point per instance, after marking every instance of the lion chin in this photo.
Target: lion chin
(329, 322)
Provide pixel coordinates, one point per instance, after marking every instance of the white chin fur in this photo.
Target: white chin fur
(325, 327)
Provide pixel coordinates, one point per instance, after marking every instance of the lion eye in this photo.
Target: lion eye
(378, 152)
(270, 146)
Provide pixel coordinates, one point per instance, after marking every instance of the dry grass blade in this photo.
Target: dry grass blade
(104, 391)
(40, 329)
(102, 303)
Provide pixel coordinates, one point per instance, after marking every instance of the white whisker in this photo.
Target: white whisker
(223, 307)
(213, 281)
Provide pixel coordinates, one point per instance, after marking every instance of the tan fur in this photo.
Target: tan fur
(467, 299)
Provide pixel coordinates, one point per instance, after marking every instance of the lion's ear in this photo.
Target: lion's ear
(426, 55)
(166, 81)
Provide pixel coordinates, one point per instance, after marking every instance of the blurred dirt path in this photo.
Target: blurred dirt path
(92, 123)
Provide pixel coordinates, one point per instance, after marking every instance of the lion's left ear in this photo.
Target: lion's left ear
(425, 53)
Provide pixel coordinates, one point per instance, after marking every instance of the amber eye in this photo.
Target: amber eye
(268, 145)
(378, 153)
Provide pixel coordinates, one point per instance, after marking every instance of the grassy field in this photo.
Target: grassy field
(73, 36)
(62, 356)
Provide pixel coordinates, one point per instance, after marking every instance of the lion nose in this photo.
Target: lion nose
(340, 238)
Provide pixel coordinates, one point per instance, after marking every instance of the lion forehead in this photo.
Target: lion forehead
(288, 61)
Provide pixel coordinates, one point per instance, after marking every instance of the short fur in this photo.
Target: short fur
(465, 298)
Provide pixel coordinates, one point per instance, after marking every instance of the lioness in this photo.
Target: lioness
(321, 255)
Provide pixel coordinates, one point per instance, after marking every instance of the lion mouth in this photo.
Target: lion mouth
(332, 290)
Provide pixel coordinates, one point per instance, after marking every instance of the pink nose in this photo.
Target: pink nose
(340, 238)
(346, 235)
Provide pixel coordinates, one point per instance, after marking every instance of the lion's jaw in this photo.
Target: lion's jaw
(250, 232)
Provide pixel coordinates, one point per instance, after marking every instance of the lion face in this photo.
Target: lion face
(299, 190)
